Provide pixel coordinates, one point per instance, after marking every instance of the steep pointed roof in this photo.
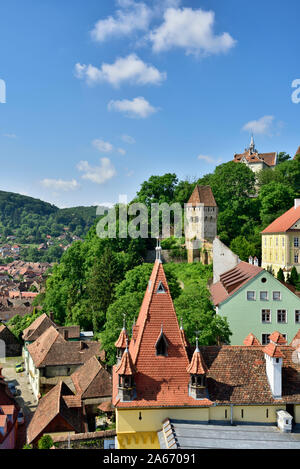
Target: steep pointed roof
(202, 195)
(251, 340)
(122, 340)
(126, 366)
(197, 365)
(160, 380)
(297, 152)
(277, 338)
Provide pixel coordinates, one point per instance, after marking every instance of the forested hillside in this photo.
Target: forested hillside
(28, 222)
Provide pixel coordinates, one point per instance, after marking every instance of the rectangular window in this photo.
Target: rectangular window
(263, 295)
(276, 296)
(265, 339)
(265, 242)
(267, 413)
(281, 316)
(296, 257)
(225, 414)
(296, 242)
(250, 295)
(297, 316)
(276, 241)
(283, 242)
(266, 315)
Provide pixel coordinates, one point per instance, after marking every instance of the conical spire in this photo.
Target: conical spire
(197, 365)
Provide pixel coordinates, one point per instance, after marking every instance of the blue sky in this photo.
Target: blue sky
(100, 95)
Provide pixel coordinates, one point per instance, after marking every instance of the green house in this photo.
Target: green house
(253, 301)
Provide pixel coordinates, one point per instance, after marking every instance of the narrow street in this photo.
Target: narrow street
(25, 400)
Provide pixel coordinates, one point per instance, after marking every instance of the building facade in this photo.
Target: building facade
(254, 160)
(253, 300)
(281, 242)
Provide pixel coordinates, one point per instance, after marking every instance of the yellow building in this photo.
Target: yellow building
(281, 241)
(160, 382)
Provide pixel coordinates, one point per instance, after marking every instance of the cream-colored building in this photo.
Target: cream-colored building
(201, 214)
(281, 241)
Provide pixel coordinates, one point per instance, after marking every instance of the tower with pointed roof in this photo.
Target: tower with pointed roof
(201, 213)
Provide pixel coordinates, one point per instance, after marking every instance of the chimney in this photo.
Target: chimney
(297, 203)
(273, 357)
(66, 334)
(51, 316)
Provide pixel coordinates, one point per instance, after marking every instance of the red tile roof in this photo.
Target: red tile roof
(160, 380)
(37, 328)
(268, 158)
(251, 340)
(197, 365)
(277, 338)
(297, 152)
(91, 380)
(122, 340)
(126, 366)
(283, 223)
(296, 340)
(273, 350)
(232, 280)
(57, 402)
(202, 195)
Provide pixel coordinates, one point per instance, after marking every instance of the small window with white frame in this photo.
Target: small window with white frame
(251, 295)
(297, 316)
(266, 315)
(263, 296)
(296, 258)
(276, 295)
(265, 339)
(281, 316)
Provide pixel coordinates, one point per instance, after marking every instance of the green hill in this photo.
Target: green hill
(32, 221)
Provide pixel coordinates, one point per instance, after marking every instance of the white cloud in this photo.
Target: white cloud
(128, 139)
(60, 184)
(10, 135)
(262, 126)
(208, 159)
(139, 107)
(133, 17)
(191, 30)
(97, 174)
(103, 147)
(128, 69)
(121, 151)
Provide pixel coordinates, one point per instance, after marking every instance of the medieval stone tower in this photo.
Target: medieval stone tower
(201, 213)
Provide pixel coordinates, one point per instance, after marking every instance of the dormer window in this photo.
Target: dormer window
(161, 345)
(160, 288)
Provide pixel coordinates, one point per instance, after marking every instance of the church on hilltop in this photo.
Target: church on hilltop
(254, 160)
